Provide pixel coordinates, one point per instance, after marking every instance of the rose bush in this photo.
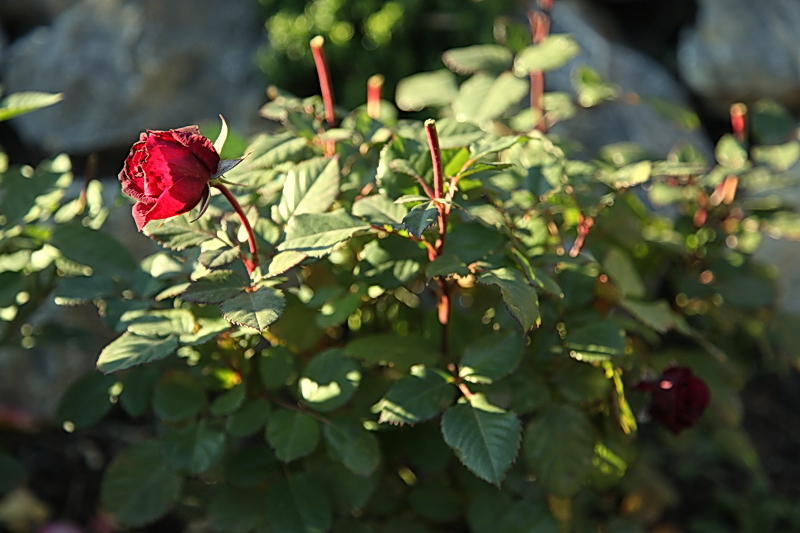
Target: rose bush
(167, 173)
(678, 398)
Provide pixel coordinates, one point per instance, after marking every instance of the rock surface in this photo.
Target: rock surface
(128, 65)
(632, 72)
(741, 50)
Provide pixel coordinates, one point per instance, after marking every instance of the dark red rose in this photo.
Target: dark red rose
(167, 173)
(678, 398)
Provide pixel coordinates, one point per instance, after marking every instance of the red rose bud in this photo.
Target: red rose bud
(167, 173)
(678, 398)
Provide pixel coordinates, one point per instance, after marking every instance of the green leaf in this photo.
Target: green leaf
(730, 153)
(205, 330)
(519, 297)
(271, 150)
(297, 505)
(310, 187)
(193, 449)
(129, 350)
(657, 315)
(426, 89)
(622, 272)
(70, 291)
(214, 288)
(179, 234)
(455, 134)
(275, 366)
(218, 257)
(257, 309)
(597, 341)
(481, 167)
(316, 234)
(416, 398)
(250, 466)
(474, 241)
(329, 380)
(420, 218)
(234, 510)
(629, 175)
(486, 97)
(349, 492)
(352, 445)
(484, 438)
(492, 357)
(25, 102)
(292, 434)
(229, 401)
(284, 261)
(137, 487)
(683, 118)
(378, 209)
(137, 389)
(559, 447)
(24, 192)
(471, 59)
(552, 53)
(86, 401)
(579, 382)
(445, 265)
(249, 418)
(178, 396)
(771, 122)
(436, 501)
(491, 144)
(93, 248)
(780, 157)
(163, 323)
(399, 351)
(590, 87)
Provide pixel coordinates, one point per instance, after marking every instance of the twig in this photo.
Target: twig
(251, 263)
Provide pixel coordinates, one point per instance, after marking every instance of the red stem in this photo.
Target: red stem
(324, 77)
(540, 29)
(251, 263)
(738, 113)
(443, 293)
(374, 87)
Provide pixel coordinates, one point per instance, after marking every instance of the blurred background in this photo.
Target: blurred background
(129, 65)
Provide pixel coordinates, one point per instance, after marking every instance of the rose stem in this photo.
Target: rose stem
(443, 295)
(252, 263)
(738, 114)
(374, 87)
(540, 29)
(324, 76)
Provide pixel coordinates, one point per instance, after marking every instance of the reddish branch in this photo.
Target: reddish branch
(251, 263)
(540, 28)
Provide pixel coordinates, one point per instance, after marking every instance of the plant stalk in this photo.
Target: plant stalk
(251, 263)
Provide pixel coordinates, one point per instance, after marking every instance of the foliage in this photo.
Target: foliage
(395, 38)
(422, 351)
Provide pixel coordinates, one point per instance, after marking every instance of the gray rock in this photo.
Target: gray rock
(128, 65)
(631, 72)
(743, 50)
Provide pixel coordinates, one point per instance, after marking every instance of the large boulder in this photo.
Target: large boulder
(635, 74)
(741, 50)
(128, 65)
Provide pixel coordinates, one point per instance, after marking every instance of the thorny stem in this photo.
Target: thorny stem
(443, 293)
(324, 77)
(540, 28)
(251, 263)
(374, 87)
(738, 113)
